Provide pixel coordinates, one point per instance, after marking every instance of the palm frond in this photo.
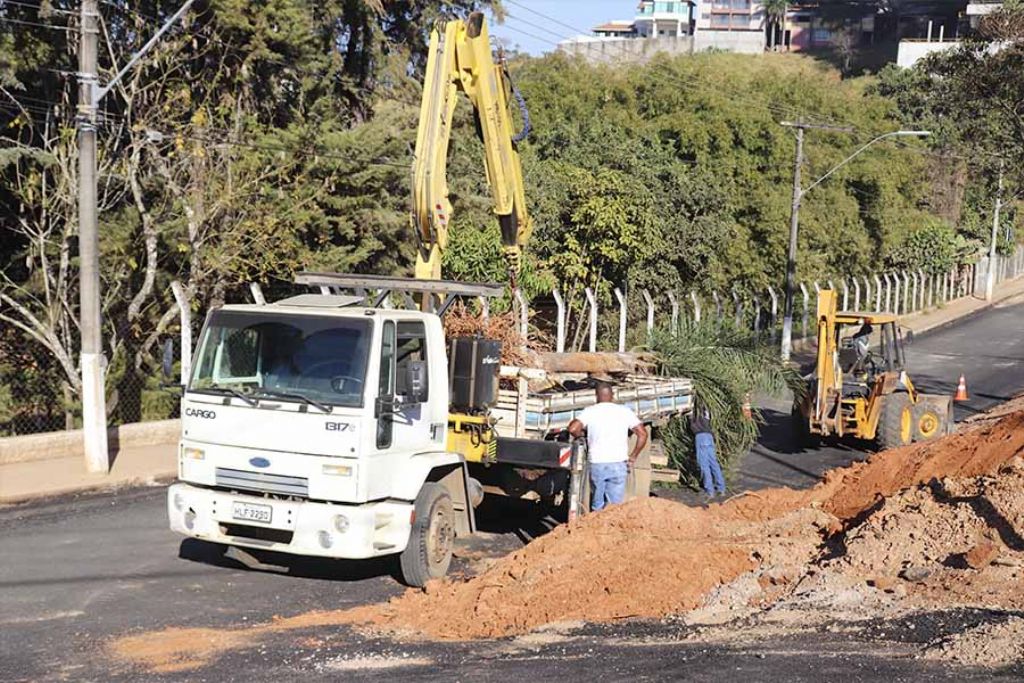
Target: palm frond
(726, 366)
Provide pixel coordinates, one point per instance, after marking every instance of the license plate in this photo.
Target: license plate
(251, 513)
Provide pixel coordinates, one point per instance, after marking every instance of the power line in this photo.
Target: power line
(37, 24)
(38, 7)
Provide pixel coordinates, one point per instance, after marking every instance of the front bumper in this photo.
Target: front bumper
(299, 528)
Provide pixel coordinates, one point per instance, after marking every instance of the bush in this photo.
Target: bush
(934, 247)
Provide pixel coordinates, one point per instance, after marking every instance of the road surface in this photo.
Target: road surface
(78, 571)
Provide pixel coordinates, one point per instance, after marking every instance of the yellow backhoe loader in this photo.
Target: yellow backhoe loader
(860, 387)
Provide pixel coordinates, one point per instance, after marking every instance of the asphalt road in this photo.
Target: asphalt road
(78, 571)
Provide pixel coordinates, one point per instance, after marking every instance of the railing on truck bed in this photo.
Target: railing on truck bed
(523, 414)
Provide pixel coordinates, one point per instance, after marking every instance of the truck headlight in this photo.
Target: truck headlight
(338, 470)
(193, 453)
(341, 523)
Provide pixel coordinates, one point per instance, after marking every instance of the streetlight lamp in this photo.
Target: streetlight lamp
(798, 193)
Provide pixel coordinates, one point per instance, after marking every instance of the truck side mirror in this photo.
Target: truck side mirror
(416, 381)
(167, 363)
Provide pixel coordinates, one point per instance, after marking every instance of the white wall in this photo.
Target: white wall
(627, 49)
(744, 42)
(910, 51)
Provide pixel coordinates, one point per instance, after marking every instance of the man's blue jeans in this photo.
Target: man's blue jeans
(607, 483)
(710, 471)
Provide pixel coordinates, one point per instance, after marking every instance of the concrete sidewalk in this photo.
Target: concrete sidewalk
(140, 465)
(1005, 293)
(22, 481)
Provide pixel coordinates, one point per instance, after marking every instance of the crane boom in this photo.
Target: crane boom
(460, 59)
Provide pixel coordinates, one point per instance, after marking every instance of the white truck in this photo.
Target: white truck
(332, 425)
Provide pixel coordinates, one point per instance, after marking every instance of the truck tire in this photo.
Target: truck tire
(432, 539)
(895, 424)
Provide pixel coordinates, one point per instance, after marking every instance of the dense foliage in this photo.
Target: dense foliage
(260, 139)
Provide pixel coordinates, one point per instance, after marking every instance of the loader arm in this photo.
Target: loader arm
(829, 379)
(460, 59)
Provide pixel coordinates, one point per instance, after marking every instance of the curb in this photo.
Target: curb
(969, 314)
(155, 479)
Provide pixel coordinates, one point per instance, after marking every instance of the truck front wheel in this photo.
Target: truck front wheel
(429, 552)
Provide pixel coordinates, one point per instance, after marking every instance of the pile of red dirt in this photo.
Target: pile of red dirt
(651, 558)
(936, 524)
(647, 558)
(976, 450)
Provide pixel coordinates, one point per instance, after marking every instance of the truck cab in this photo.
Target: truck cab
(316, 426)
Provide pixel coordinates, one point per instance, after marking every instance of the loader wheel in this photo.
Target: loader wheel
(928, 424)
(895, 424)
(429, 552)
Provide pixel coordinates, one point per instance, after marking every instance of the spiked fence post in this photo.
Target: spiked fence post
(622, 319)
(592, 301)
(560, 325)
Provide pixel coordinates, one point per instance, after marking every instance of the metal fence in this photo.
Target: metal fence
(35, 395)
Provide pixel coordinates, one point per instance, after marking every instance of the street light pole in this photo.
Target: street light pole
(794, 222)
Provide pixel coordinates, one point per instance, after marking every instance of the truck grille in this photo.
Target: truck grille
(260, 481)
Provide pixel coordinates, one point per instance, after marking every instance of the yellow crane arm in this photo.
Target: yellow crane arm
(460, 59)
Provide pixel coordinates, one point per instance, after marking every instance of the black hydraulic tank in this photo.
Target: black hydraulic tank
(474, 365)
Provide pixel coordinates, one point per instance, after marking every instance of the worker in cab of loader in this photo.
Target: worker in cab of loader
(862, 342)
(608, 426)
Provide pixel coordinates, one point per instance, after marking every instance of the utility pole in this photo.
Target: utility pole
(94, 400)
(794, 220)
(794, 226)
(794, 223)
(94, 404)
(990, 276)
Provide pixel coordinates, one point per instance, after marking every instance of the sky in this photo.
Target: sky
(535, 34)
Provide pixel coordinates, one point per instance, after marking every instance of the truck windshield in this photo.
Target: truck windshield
(316, 359)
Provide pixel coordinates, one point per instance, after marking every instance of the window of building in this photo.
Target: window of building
(740, 20)
(720, 20)
(821, 35)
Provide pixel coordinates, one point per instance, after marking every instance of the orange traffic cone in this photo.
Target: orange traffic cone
(961, 390)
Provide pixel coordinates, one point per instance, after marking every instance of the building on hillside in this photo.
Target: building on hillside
(657, 19)
(935, 29)
(804, 28)
(733, 21)
(675, 27)
(744, 26)
(616, 29)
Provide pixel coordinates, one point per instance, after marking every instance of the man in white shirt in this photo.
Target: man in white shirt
(608, 426)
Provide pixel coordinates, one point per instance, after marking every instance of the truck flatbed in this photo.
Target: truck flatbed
(536, 415)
